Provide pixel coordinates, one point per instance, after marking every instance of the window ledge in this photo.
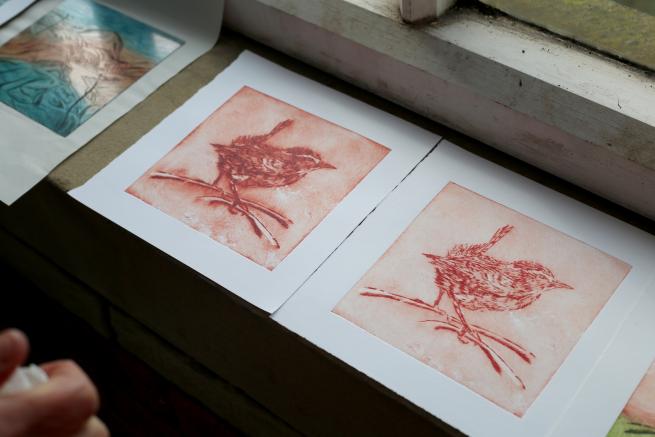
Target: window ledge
(575, 113)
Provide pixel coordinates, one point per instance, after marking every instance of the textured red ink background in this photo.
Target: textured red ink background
(549, 327)
(641, 406)
(306, 202)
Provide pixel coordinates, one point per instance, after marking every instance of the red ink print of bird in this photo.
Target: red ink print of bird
(250, 161)
(475, 281)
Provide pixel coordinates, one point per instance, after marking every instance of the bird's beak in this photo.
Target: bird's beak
(560, 285)
(430, 256)
(326, 165)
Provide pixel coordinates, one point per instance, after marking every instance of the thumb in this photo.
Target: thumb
(13, 351)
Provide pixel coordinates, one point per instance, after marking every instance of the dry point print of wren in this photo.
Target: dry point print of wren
(490, 297)
(258, 175)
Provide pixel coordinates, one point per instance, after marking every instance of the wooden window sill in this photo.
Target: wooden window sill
(572, 112)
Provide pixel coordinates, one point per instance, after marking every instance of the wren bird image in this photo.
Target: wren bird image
(476, 281)
(483, 294)
(258, 175)
(250, 161)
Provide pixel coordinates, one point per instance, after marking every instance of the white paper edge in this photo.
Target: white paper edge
(308, 312)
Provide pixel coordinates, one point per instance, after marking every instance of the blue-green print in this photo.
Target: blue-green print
(76, 59)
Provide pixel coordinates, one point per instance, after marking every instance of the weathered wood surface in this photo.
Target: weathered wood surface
(421, 11)
(573, 113)
(414, 11)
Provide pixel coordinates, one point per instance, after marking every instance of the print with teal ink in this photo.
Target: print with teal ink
(75, 60)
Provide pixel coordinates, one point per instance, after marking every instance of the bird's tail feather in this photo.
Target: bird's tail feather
(500, 233)
(477, 249)
(280, 126)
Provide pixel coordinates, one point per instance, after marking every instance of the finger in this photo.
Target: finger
(14, 347)
(61, 406)
(93, 428)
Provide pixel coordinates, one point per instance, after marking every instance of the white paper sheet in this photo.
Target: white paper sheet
(265, 285)
(309, 311)
(610, 385)
(29, 150)
(10, 8)
(24, 378)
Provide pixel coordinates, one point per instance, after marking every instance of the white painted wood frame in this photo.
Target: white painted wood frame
(576, 114)
(414, 11)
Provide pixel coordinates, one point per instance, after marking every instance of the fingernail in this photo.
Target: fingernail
(10, 342)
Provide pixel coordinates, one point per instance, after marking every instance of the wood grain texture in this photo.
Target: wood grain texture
(414, 11)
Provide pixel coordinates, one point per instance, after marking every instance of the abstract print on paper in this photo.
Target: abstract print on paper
(258, 175)
(487, 296)
(638, 417)
(74, 60)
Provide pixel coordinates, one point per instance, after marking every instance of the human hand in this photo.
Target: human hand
(65, 406)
